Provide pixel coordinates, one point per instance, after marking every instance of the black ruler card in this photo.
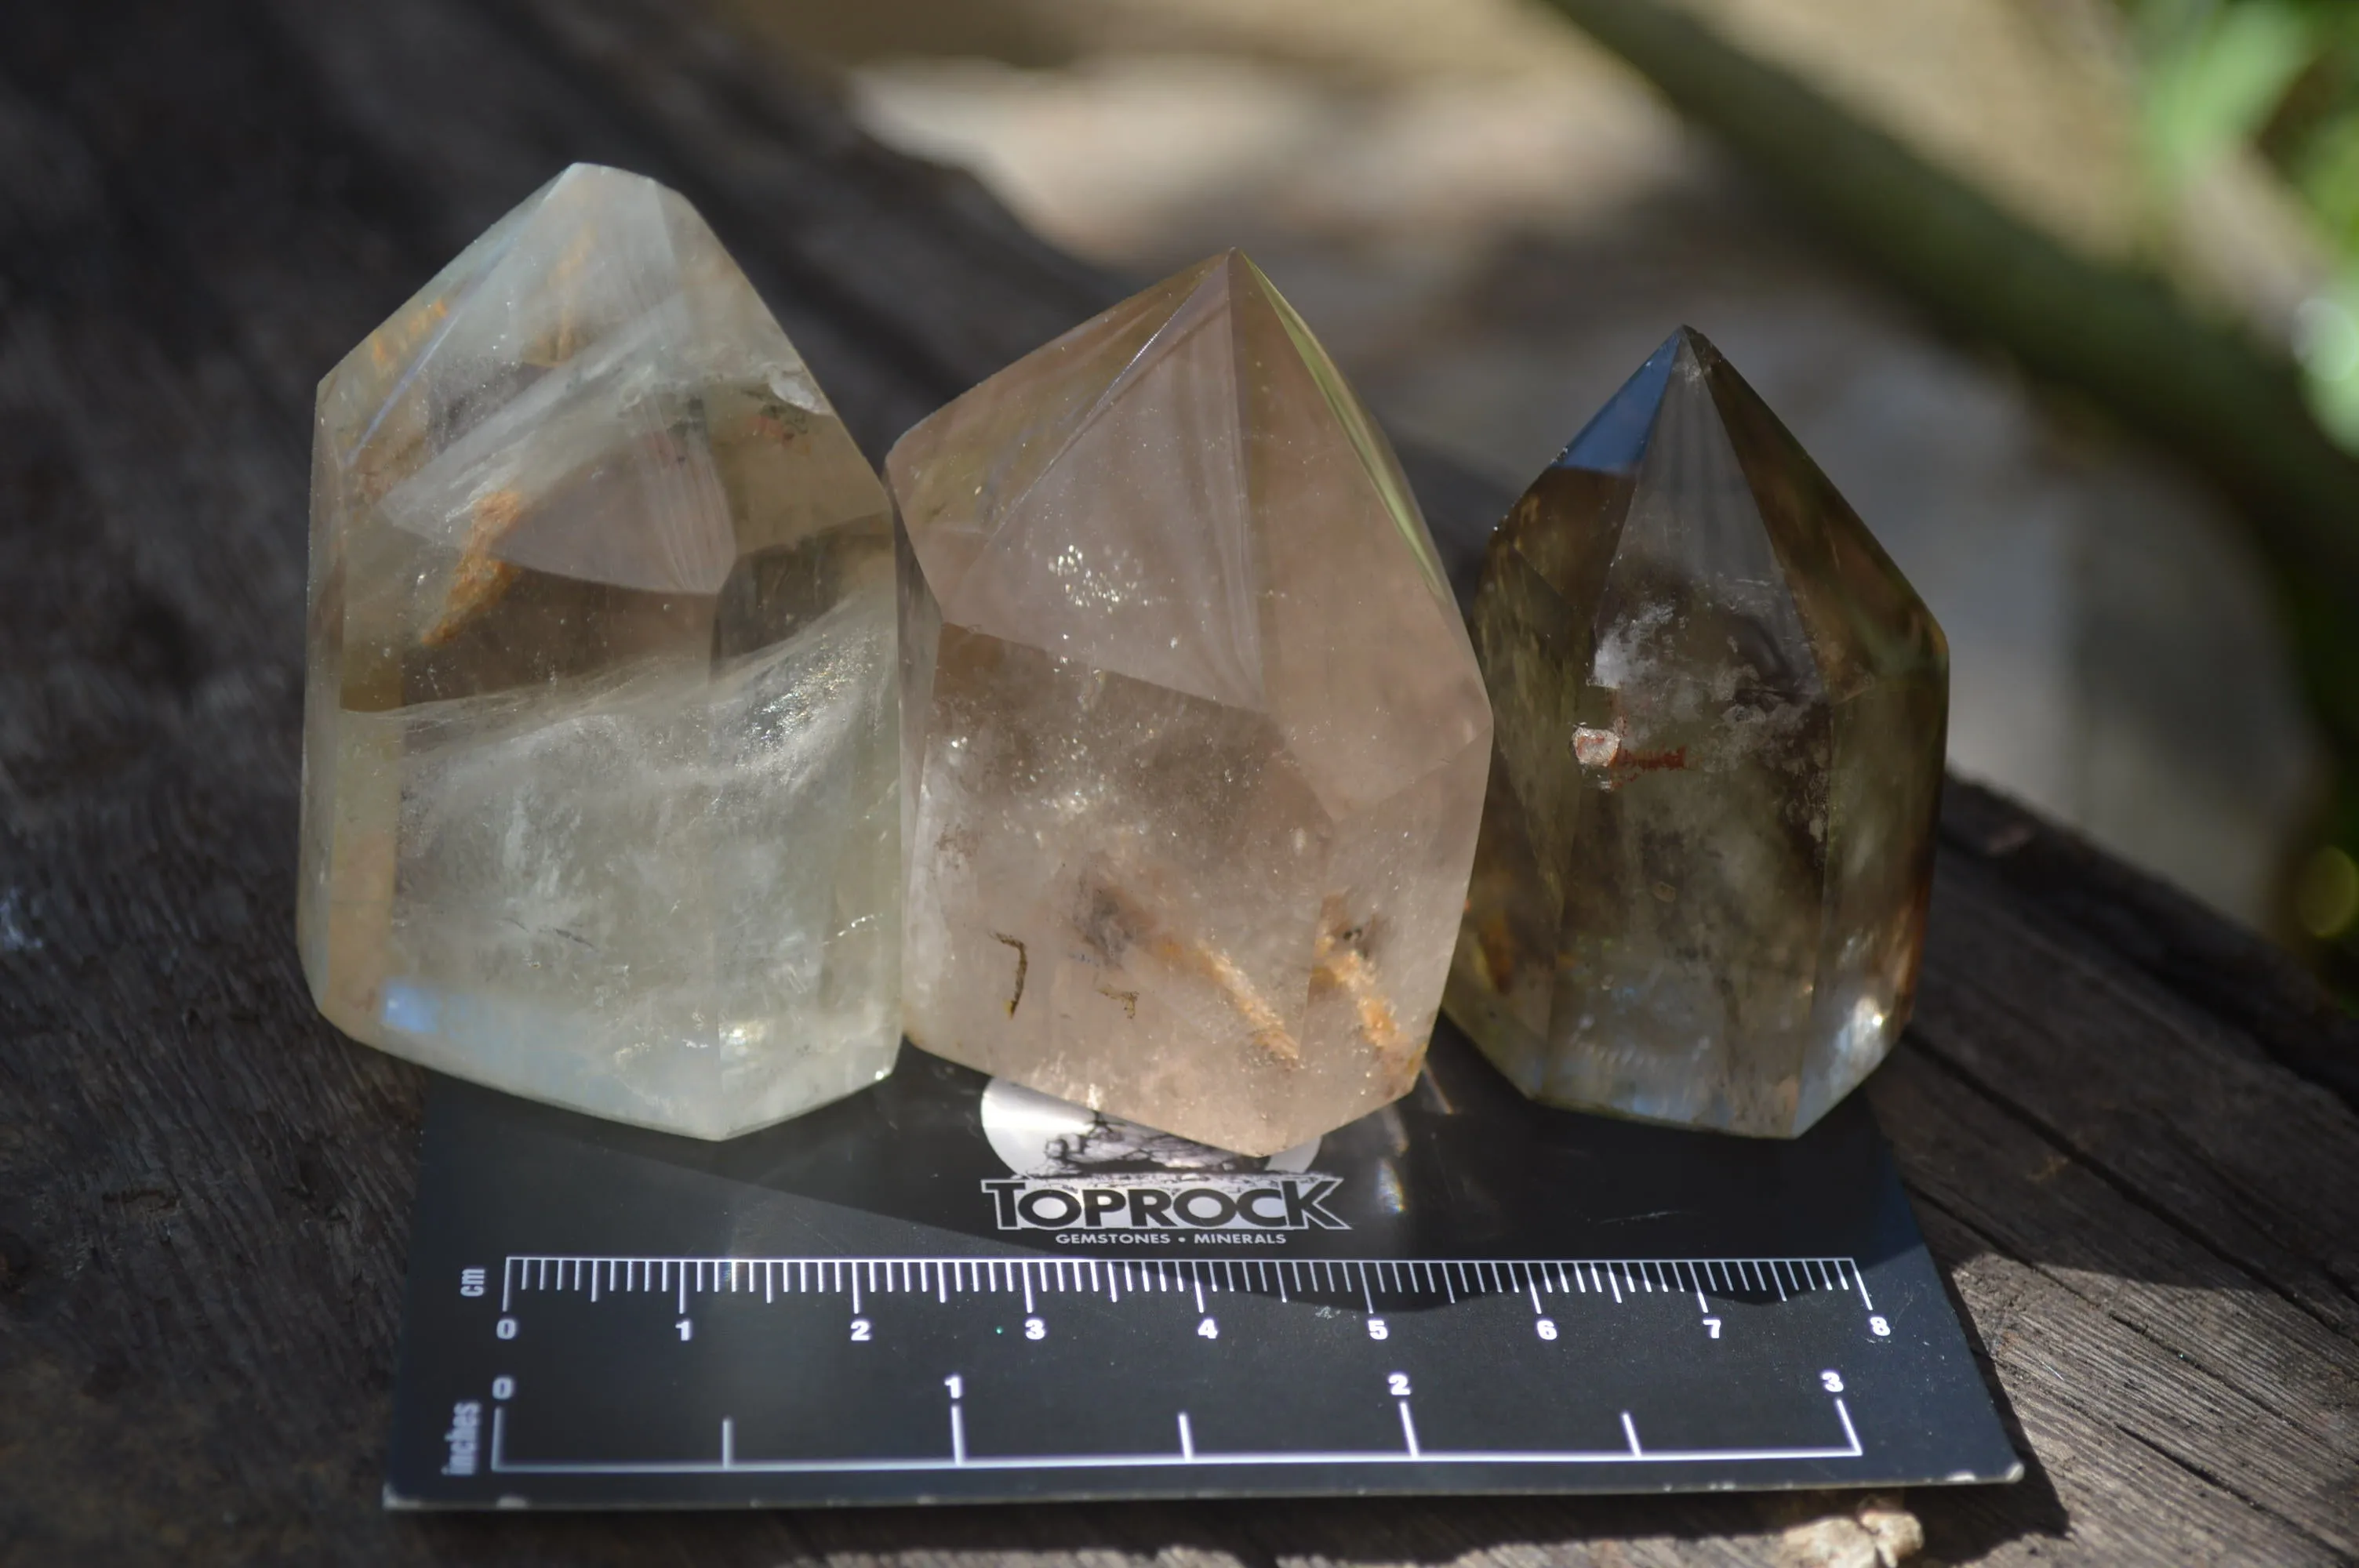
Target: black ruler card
(952, 1289)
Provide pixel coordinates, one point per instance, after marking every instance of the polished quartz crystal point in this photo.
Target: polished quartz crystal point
(599, 796)
(1193, 741)
(1700, 892)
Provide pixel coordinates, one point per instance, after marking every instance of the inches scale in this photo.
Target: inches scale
(941, 1290)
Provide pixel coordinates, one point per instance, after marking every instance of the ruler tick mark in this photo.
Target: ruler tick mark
(1630, 1430)
(1408, 1430)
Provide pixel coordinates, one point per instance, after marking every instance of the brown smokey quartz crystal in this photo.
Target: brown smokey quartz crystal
(1193, 742)
(1701, 890)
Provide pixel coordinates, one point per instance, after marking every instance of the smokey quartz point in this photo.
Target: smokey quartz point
(599, 798)
(1193, 741)
(1701, 890)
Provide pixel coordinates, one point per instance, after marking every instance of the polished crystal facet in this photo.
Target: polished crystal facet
(1193, 741)
(1701, 890)
(599, 798)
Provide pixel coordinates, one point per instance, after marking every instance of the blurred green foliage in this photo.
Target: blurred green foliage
(2280, 77)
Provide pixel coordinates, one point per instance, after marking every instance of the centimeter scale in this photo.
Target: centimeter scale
(945, 1289)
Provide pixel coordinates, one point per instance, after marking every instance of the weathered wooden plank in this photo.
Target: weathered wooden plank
(2185, 1115)
(2060, 883)
(2076, 1386)
(203, 1191)
(2221, 1374)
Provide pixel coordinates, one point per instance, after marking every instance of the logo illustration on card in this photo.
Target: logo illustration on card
(1099, 1179)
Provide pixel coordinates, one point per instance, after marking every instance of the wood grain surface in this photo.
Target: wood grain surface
(2129, 1128)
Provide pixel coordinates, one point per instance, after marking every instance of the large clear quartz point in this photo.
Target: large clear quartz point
(599, 794)
(1193, 741)
(1700, 892)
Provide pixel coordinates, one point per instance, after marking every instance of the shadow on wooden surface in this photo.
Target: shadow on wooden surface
(2127, 1128)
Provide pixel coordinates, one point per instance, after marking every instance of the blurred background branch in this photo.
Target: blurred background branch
(2123, 336)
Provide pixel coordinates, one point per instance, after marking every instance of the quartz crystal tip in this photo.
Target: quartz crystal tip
(1193, 739)
(599, 734)
(1706, 852)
